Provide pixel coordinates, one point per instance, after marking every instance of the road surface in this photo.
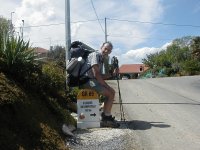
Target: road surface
(163, 112)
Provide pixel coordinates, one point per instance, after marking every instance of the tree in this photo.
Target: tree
(150, 61)
(57, 54)
(191, 67)
(195, 46)
(176, 59)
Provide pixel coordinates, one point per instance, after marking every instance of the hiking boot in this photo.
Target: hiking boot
(108, 121)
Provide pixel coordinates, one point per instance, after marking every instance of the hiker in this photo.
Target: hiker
(97, 82)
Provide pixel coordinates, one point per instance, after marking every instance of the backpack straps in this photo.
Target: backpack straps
(81, 75)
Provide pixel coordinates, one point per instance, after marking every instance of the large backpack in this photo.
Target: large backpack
(77, 65)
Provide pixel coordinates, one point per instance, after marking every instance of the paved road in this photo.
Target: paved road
(164, 112)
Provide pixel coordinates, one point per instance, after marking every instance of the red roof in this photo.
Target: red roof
(132, 68)
(40, 50)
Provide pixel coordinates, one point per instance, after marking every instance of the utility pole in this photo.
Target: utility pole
(11, 16)
(67, 33)
(105, 30)
(106, 59)
(11, 25)
(22, 29)
(67, 28)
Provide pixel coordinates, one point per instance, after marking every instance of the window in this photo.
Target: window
(141, 68)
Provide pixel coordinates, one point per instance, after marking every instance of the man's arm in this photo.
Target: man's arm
(112, 73)
(98, 76)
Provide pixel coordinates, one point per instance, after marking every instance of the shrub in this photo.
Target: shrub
(53, 76)
(191, 67)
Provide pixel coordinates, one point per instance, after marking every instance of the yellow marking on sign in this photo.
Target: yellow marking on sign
(87, 94)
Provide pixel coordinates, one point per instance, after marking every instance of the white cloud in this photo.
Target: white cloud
(7, 7)
(34, 12)
(38, 12)
(136, 55)
(197, 8)
(124, 35)
(166, 45)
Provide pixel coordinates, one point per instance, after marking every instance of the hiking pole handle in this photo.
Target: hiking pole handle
(114, 62)
(115, 67)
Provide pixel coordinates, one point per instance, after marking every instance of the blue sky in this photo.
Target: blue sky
(131, 24)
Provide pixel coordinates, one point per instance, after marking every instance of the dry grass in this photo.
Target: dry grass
(27, 121)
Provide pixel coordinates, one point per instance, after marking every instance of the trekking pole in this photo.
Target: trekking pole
(116, 66)
(120, 101)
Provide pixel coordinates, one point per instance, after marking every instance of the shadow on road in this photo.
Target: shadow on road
(152, 103)
(144, 125)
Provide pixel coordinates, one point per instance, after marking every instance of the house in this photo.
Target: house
(132, 71)
(40, 53)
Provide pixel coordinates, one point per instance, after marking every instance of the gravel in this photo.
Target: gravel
(123, 138)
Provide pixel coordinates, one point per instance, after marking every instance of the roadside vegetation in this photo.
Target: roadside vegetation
(180, 58)
(34, 100)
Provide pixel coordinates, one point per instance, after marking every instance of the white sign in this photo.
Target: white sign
(88, 109)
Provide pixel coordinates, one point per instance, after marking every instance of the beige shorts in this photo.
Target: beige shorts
(93, 84)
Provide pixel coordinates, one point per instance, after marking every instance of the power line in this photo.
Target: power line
(136, 37)
(55, 24)
(44, 25)
(114, 19)
(86, 20)
(157, 23)
(117, 36)
(97, 16)
(81, 37)
(135, 21)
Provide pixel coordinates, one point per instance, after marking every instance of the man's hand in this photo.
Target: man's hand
(115, 72)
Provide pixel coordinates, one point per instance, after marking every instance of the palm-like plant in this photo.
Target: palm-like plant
(15, 55)
(4, 32)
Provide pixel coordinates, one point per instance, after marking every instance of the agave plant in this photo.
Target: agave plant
(16, 54)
